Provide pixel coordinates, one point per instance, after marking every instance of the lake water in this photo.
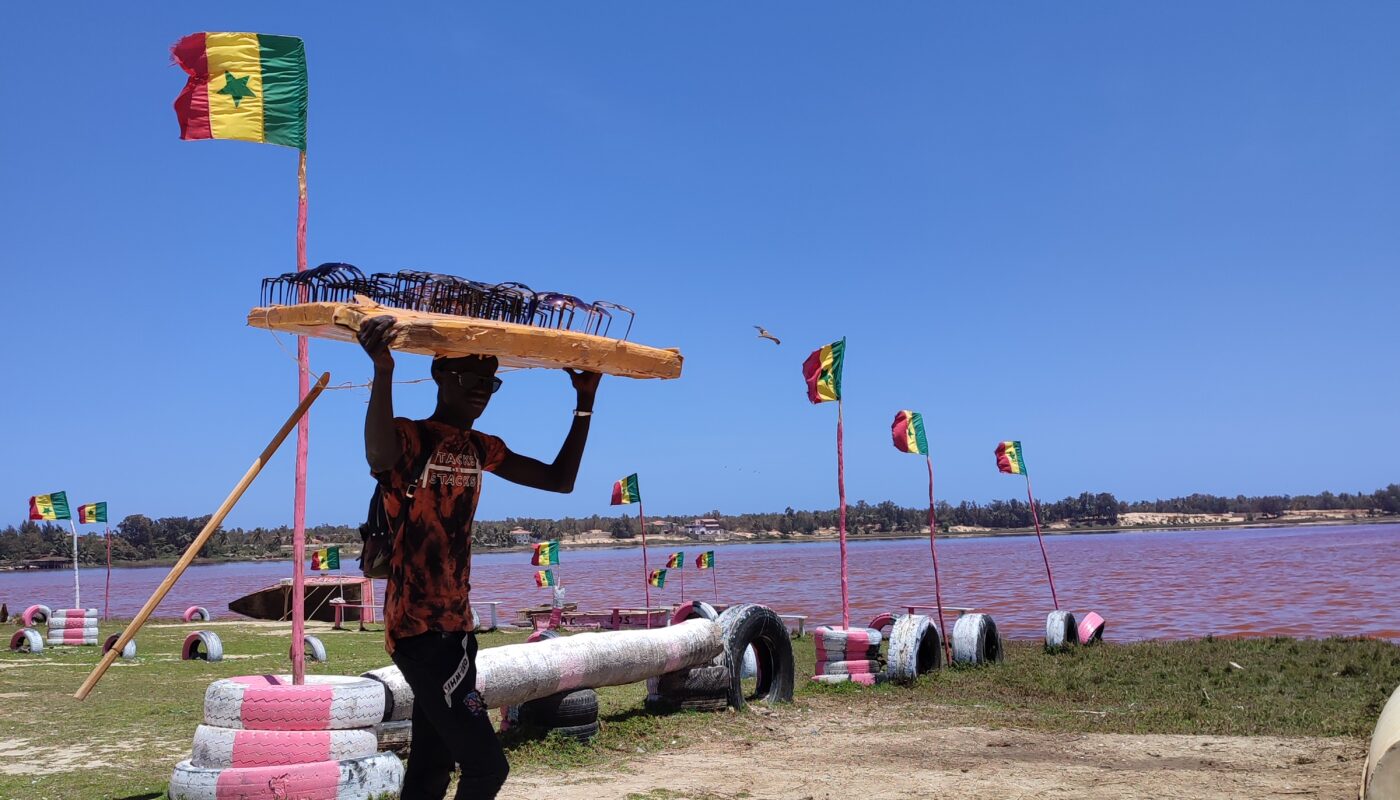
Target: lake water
(1305, 582)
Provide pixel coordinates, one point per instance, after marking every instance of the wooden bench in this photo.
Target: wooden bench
(801, 626)
(366, 614)
(933, 610)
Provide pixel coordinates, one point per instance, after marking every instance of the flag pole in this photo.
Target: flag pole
(646, 571)
(841, 491)
(107, 594)
(303, 445)
(937, 589)
(682, 579)
(714, 579)
(1036, 518)
(77, 600)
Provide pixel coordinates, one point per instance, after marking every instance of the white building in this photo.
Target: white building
(706, 530)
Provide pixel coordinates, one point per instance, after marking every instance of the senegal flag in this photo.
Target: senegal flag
(546, 553)
(49, 506)
(325, 558)
(247, 86)
(1009, 458)
(92, 512)
(658, 578)
(822, 372)
(676, 561)
(626, 491)
(908, 431)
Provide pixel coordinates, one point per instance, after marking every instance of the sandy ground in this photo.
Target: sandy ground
(838, 754)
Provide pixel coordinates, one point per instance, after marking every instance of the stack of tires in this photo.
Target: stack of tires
(848, 655)
(572, 714)
(73, 626)
(703, 688)
(263, 737)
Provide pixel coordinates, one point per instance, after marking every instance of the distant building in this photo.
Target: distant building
(521, 536)
(706, 530)
(659, 526)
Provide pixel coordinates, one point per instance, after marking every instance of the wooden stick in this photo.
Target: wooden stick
(194, 548)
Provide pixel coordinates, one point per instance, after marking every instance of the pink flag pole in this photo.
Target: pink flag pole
(841, 491)
(682, 580)
(646, 570)
(1035, 516)
(714, 578)
(303, 445)
(937, 589)
(107, 595)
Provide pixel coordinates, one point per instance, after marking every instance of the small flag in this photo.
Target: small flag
(705, 560)
(1009, 458)
(908, 431)
(247, 86)
(546, 553)
(325, 558)
(822, 371)
(658, 578)
(625, 491)
(92, 512)
(545, 577)
(49, 506)
(677, 560)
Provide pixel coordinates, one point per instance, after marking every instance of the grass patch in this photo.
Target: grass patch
(140, 720)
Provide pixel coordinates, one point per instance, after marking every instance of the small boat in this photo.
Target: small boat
(275, 602)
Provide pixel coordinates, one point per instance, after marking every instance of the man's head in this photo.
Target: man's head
(465, 385)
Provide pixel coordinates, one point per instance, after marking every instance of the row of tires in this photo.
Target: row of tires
(916, 647)
(37, 614)
(198, 645)
(1062, 630)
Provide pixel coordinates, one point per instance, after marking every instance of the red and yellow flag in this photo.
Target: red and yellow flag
(544, 577)
(705, 560)
(676, 561)
(625, 491)
(908, 431)
(49, 506)
(248, 86)
(658, 578)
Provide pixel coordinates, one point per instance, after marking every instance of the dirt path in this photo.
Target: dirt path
(838, 754)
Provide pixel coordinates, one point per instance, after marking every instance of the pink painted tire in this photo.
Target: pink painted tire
(26, 640)
(882, 621)
(36, 615)
(196, 614)
(693, 609)
(542, 633)
(864, 667)
(222, 748)
(273, 703)
(57, 623)
(128, 652)
(833, 638)
(1091, 628)
(202, 646)
(371, 776)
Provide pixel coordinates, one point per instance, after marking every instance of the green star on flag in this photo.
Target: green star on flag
(237, 88)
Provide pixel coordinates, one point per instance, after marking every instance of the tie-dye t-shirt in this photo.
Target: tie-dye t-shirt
(430, 568)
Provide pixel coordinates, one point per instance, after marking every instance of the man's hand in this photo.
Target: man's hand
(374, 337)
(586, 384)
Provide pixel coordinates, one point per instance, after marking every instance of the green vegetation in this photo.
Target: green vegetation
(142, 716)
(138, 538)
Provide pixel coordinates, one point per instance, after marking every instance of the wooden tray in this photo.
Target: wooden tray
(447, 335)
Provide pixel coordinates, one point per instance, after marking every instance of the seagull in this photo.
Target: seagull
(764, 334)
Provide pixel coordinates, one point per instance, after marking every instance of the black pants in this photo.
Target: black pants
(446, 735)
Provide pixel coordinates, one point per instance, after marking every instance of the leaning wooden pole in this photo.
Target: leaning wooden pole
(198, 543)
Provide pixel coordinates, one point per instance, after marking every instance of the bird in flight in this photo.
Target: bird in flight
(764, 334)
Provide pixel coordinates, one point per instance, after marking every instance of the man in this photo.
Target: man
(427, 611)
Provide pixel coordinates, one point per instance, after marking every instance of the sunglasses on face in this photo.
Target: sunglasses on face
(471, 380)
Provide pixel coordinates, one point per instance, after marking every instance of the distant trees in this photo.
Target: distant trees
(141, 538)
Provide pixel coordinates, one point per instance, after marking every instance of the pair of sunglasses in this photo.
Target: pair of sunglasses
(471, 380)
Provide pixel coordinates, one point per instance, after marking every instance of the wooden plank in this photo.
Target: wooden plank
(447, 335)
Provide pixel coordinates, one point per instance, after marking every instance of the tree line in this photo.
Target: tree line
(140, 538)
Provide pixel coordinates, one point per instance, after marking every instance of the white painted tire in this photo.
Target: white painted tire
(75, 627)
(202, 646)
(862, 679)
(915, 648)
(223, 748)
(1380, 772)
(36, 615)
(693, 609)
(313, 649)
(975, 640)
(86, 641)
(398, 695)
(271, 702)
(357, 778)
(866, 667)
(196, 614)
(26, 640)
(1061, 630)
(128, 652)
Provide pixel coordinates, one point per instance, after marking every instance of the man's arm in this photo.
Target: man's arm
(558, 476)
(382, 445)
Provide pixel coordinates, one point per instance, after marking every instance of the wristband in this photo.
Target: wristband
(578, 413)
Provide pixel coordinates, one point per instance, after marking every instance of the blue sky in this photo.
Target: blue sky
(1154, 242)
